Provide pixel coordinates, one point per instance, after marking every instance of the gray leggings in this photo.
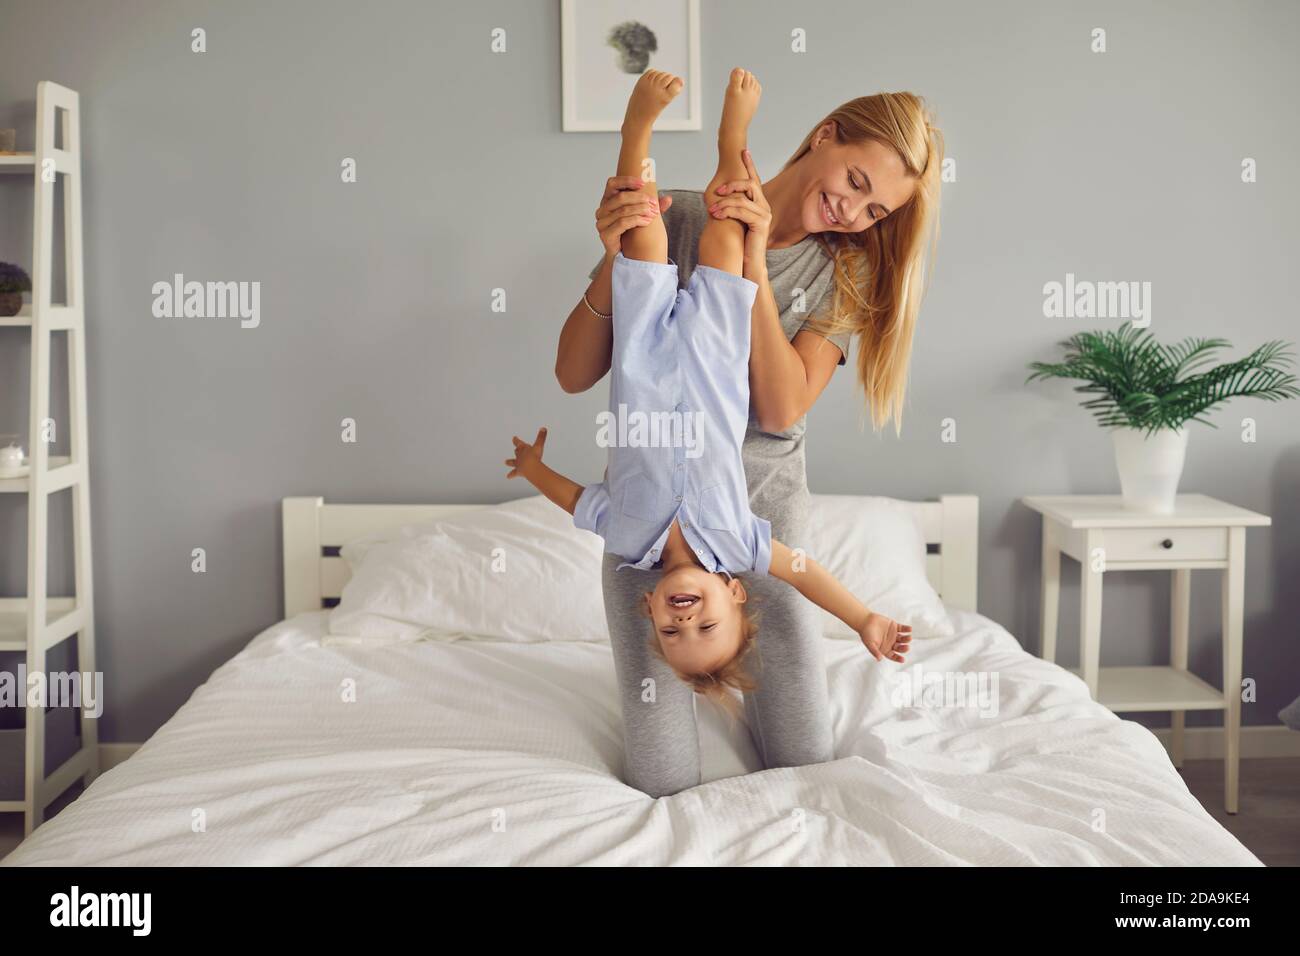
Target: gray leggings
(788, 714)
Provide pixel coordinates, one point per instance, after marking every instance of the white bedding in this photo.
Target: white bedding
(499, 753)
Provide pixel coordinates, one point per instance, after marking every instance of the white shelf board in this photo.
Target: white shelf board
(58, 317)
(13, 619)
(17, 162)
(19, 485)
(1132, 689)
(24, 316)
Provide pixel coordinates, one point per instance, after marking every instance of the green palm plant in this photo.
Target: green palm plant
(1143, 384)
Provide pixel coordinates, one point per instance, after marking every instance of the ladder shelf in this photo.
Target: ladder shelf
(36, 623)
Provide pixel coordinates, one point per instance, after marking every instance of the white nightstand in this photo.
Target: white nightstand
(1101, 535)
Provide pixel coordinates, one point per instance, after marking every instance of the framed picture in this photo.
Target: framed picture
(607, 44)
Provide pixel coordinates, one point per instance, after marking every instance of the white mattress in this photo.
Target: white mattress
(492, 753)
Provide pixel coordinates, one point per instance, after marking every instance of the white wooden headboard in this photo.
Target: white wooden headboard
(313, 532)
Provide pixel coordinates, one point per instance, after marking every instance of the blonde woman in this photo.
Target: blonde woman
(837, 244)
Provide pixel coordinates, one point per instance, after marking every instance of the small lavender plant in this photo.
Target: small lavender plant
(13, 283)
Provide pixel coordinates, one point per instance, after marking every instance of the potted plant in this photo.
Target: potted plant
(1147, 392)
(13, 283)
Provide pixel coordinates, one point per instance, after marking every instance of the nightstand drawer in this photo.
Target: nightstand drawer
(1162, 544)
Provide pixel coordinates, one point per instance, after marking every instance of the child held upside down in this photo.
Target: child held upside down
(684, 354)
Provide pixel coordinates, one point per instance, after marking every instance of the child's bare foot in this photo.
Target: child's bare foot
(738, 106)
(653, 91)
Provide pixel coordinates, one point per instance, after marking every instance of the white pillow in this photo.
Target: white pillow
(435, 580)
(519, 571)
(876, 548)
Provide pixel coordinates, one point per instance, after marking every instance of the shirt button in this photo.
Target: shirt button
(679, 497)
(654, 550)
(700, 552)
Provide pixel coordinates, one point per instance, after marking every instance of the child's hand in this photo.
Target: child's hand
(885, 638)
(526, 455)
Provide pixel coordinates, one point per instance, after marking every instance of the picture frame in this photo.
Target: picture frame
(605, 47)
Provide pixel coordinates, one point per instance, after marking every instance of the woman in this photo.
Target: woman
(836, 243)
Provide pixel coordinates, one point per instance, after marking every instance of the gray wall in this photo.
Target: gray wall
(376, 296)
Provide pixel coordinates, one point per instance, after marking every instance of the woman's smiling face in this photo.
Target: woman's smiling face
(850, 187)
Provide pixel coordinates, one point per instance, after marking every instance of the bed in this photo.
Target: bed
(495, 753)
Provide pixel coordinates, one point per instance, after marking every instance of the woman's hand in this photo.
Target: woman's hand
(624, 207)
(743, 200)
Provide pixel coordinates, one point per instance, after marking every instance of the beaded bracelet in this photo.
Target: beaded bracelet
(593, 311)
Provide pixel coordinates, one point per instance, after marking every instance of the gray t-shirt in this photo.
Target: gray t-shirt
(775, 468)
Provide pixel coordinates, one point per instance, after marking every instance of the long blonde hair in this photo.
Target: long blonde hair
(882, 273)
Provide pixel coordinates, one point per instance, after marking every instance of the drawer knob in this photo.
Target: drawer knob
(1167, 543)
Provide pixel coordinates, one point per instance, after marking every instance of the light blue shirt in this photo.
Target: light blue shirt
(679, 407)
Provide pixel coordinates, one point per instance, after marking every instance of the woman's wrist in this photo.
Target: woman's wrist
(593, 310)
(755, 264)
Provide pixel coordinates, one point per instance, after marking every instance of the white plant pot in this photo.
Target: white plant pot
(1149, 467)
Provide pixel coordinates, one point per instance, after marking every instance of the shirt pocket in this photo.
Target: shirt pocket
(718, 509)
(642, 498)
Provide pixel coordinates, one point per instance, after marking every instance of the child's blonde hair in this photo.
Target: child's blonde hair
(717, 684)
(882, 273)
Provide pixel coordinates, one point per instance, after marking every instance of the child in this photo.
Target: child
(681, 361)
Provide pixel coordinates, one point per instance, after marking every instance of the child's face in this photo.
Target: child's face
(697, 618)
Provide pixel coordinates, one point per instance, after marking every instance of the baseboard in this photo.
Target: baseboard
(1199, 743)
(1206, 743)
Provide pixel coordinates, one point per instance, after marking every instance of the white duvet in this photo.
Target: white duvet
(496, 753)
